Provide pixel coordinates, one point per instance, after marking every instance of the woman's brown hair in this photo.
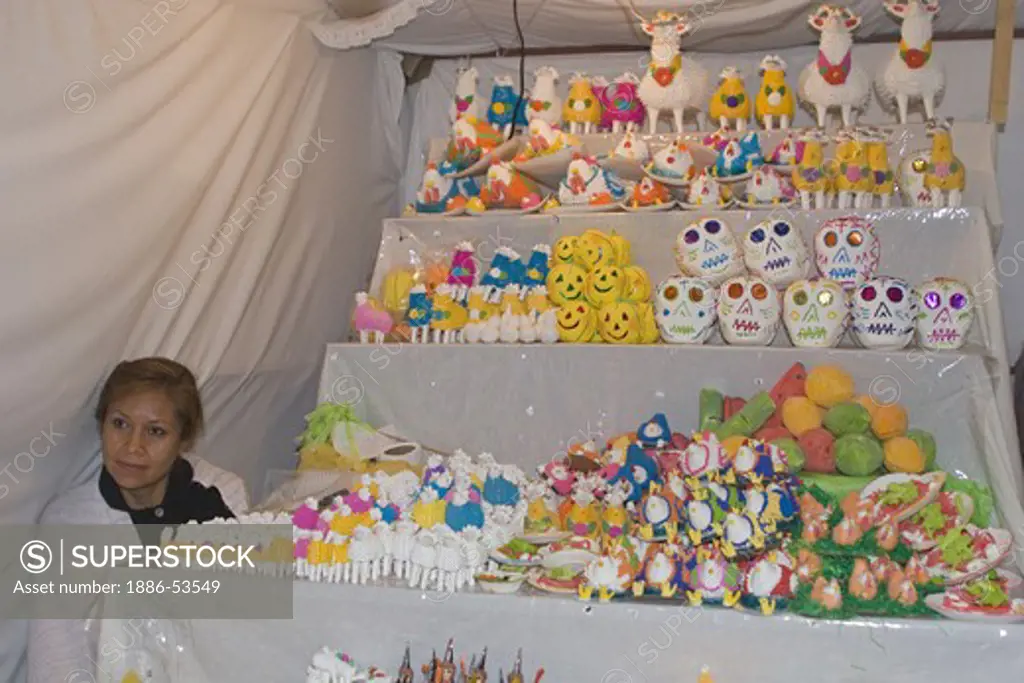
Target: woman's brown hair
(157, 374)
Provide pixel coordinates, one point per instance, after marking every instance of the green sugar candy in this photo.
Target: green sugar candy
(712, 408)
(858, 455)
(755, 413)
(847, 418)
(926, 444)
(794, 454)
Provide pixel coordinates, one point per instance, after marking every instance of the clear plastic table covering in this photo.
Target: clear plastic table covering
(574, 642)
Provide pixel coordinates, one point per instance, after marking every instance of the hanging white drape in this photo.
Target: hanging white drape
(191, 178)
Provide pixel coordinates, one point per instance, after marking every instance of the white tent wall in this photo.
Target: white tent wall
(191, 178)
(967, 77)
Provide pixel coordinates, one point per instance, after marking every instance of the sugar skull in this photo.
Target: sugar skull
(815, 313)
(775, 251)
(847, 250)
(945, 313)
(707, 249)
(748, 311)
(884, 313)
(684, 309)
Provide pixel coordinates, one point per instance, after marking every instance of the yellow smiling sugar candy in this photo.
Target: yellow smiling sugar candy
(593, 250)
(566, 284)
(649, 333)
(638, 284)
(605, 285)
(577, 322)
(565, 249)
(619, 323)
(622, 248)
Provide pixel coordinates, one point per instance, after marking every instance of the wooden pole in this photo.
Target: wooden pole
(1002, 56)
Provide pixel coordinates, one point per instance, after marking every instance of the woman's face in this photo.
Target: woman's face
(140, 439)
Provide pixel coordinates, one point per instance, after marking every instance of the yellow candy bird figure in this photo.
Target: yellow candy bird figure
(945, 176)
(852, 176)
(810, 177)
(448, 317)
(883, 183)
(730, 105)
(775, 101)
(581, 110)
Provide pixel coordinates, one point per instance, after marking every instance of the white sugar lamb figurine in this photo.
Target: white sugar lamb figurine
(424, 559)
(466, 103)
(402, 543)
(833, 80)
(671, 81)
(545, 104)
(911, 74)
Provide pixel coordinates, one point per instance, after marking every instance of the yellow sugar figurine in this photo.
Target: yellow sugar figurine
(775, 101)
(882, 179)
(705, 675)
(582, 110)
(945, 175)
(449, 317)
(730, 104)
(853, 178)
(428, 514)
(131, 677)
(511, 298)
(810, 177)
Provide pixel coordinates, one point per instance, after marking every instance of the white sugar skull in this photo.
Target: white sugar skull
(684, 309)
(884, 313)
(748, 311)
(775, 251)
(815, 313)
(708, 249)
(847, 250)
(945, 313)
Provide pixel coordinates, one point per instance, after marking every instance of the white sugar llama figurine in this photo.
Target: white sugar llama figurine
(545, 104)
(911, 74)
(671, 81)
(833, 80)
(467, 102)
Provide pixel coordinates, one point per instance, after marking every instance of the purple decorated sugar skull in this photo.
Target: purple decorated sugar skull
(847, 250)
(945, 311)
(707, 249)
(620, 103)
(884, 313)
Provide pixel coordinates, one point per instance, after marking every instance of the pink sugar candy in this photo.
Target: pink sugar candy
(306, 518)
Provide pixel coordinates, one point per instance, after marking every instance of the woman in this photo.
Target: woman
(149, 416)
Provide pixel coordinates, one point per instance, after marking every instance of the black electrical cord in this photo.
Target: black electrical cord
(522, 69)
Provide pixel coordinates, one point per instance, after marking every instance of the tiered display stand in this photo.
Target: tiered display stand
(526, 403)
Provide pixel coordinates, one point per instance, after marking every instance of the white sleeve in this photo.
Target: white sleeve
(62, 649)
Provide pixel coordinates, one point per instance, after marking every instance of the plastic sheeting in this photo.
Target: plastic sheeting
(457, 27)
(967, 66)
(621, 642)
(965, 99)
(189, 178)
(567, 392)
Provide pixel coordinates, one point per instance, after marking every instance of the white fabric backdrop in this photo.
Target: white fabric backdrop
(133, 133)
(457, 27)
